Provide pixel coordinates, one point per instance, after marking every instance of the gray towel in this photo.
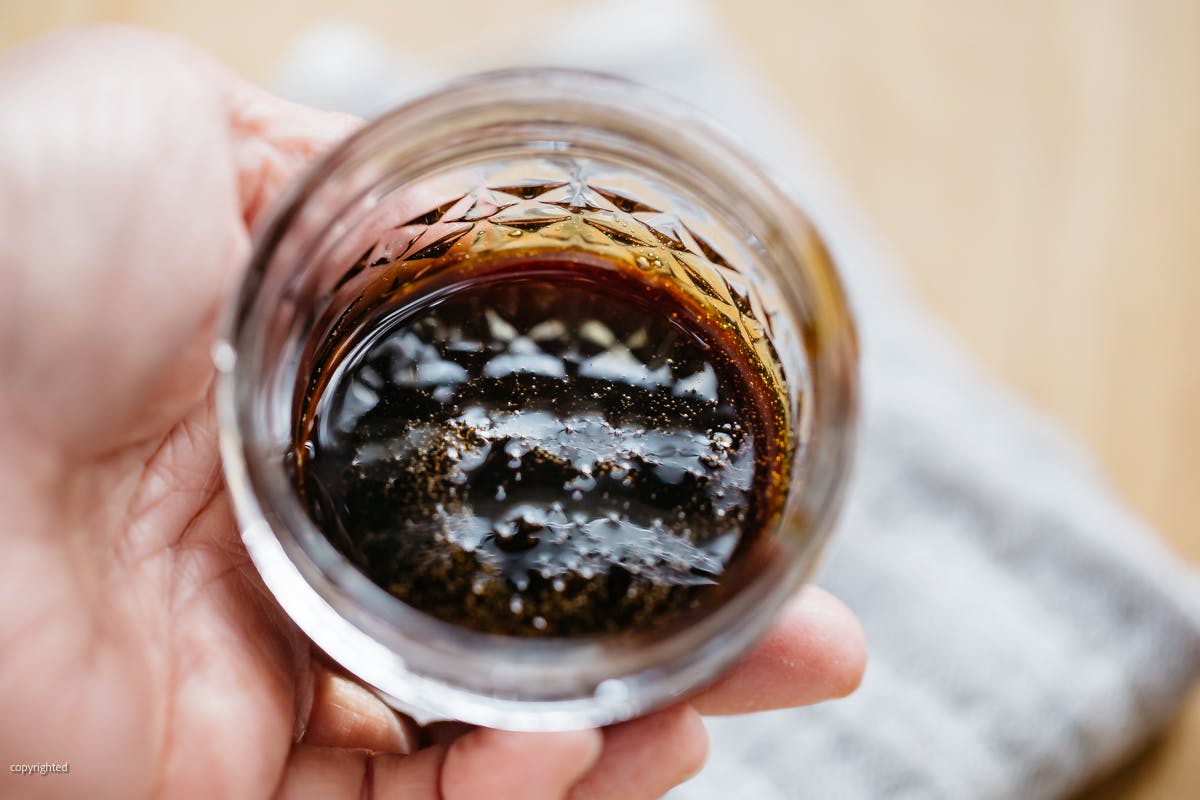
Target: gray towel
(1026, 632)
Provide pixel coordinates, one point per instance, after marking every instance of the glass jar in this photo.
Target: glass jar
(430, 177)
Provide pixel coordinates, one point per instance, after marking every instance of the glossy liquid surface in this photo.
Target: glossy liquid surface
(550, 448)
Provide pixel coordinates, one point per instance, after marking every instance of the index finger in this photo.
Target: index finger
(816, 651)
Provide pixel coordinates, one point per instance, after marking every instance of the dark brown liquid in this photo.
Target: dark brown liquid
(551, 447)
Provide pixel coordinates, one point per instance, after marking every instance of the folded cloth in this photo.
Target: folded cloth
(1026, 632)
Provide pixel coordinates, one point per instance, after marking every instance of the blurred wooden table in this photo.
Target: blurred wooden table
(1036, 164)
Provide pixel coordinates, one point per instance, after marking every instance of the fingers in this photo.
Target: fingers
(414, 777)
(646, 757)
(482, 764)
(347, 714)
(532, 766)
(816, 651)
(327, 773)
(318, 773)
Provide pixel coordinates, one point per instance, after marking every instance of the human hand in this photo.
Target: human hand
(138, 641)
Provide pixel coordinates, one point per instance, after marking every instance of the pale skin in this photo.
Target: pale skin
(138, 643)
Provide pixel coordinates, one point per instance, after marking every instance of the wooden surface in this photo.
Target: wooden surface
(1035, 163)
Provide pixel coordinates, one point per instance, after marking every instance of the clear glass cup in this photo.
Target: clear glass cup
(483, 163)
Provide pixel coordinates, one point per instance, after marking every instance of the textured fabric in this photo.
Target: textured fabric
(1026, 632)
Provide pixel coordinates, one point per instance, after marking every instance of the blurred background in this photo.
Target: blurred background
(1034, 165)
